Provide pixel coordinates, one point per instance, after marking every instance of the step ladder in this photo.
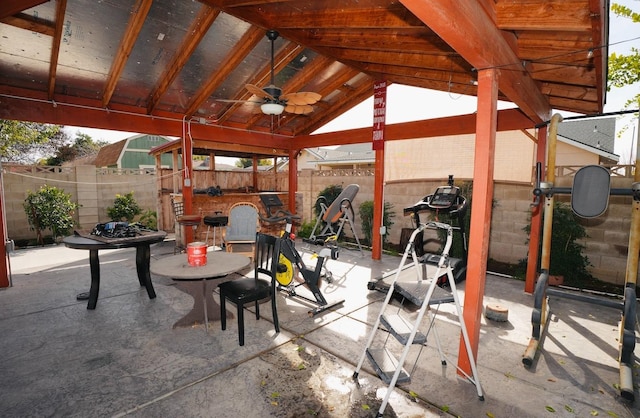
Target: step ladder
(423, 292)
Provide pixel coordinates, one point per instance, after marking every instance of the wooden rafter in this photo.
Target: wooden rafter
(12, 7)
(261, 77)
(30, 23)
(61, 6)
(384, 14)
(350, 98)
(411, 39)
(458, 22)
(294, 84)
(542, 49)
(336, 83)
(138, 16)
(560, 15)
(248, 41)
(198, 29)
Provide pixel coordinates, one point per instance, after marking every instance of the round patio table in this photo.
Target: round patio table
(219, 265)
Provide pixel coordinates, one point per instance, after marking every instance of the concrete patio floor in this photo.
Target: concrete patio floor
(124, 358)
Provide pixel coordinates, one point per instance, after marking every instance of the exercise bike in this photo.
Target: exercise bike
(309, 277)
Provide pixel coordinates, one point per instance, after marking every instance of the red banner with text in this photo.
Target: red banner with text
(379, 112)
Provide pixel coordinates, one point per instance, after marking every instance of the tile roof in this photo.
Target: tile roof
(597, 134)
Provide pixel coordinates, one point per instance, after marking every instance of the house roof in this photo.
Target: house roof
(151, 66)
(346, 154)
(109, 154)
(596, 135)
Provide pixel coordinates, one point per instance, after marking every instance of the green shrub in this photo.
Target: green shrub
(329, 193)
(366, 216)
(50, 208)
(149, 218)
(566, 258)
(124, 207)
(305, 229)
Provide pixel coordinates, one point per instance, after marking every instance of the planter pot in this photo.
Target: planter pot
(556, 280)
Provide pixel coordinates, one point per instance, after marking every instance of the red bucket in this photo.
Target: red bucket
(197, 254)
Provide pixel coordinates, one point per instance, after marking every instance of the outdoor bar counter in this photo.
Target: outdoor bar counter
(213, 205)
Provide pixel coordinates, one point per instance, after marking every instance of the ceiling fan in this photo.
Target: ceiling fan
(273, 101)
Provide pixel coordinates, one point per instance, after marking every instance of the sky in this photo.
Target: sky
(405, 104)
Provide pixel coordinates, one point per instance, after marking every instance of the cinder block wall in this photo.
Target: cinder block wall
(606, 245)
(92, 191)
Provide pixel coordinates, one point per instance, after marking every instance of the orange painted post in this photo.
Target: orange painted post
(293, 180)
(4, 263)
(378, 205)
(187, 186)
(536, 219)
(378, 138)
(254, 177)
(481, 205)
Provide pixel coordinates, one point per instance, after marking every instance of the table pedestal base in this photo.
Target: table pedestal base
(202, 293)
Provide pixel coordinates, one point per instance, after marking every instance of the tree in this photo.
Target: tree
(624, 70)
(28, 142)
(50, 208)
(82, 146)
(248, 162)
(124, 207)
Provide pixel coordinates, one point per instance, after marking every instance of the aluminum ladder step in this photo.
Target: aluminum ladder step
(400, 327)
(416, 292)
(385, 364)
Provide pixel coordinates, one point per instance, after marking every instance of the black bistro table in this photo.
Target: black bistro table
(142, 244)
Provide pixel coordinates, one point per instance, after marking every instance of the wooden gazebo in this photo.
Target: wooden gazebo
(165, 67)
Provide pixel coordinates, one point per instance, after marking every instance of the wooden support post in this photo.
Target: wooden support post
(187, 183)
(4, 262)
(254, 177)
(481, 206)
(293, 179)
(378, 205)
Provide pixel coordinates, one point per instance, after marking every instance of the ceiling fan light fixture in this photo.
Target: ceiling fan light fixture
(272, 108)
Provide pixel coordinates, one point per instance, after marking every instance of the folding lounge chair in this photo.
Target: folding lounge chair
(333, 217)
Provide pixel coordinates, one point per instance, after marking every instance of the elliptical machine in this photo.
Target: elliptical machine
(445, 200)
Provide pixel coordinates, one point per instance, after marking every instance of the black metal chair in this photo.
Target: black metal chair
(254, 289)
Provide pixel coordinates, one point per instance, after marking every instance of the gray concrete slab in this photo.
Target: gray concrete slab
(124, 358)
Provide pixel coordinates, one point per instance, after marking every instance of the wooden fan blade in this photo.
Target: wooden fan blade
(298, 109)
(258, 92)
(301, 98)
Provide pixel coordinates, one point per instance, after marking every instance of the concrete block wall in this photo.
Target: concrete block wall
(18, 181)
(606, 245)
(93, 193)
(109, 185)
